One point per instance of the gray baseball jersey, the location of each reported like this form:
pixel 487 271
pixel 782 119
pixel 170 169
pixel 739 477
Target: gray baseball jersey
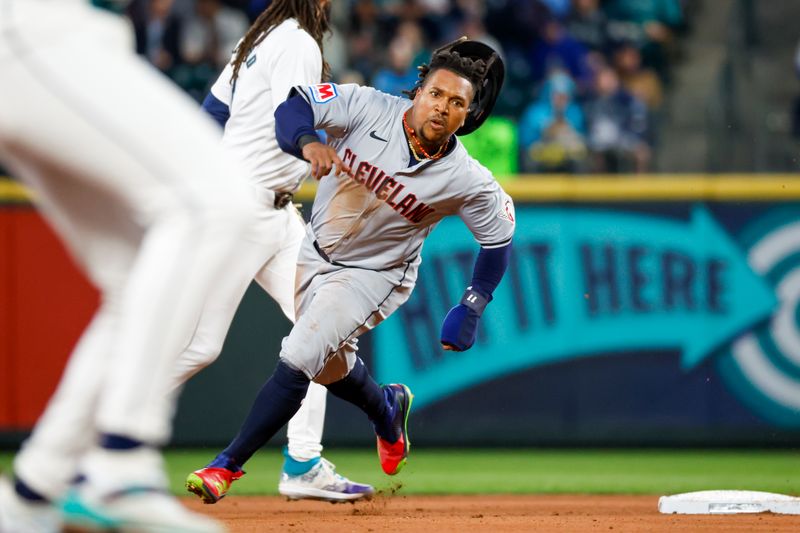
pixel 378 216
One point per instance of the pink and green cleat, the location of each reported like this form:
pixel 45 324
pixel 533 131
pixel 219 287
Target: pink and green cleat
pixel 211 484
pixel 393 455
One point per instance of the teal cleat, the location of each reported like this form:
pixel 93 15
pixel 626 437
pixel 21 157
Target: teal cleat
pixel 139 509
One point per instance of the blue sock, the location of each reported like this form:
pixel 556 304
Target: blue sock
pixel 360 389
pixel 223 461
pixel 276 403
pixel 26 493
pixel 110 441
pixel 384 426
pixel 293 467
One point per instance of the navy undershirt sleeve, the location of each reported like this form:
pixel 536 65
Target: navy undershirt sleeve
pixel 294 118
pixel 217 109
pixel 489 268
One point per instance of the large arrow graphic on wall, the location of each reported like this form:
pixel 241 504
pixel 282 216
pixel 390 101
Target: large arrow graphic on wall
pixel 582 282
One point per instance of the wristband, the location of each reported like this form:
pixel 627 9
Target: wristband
pixel 474 300
pixel 307 139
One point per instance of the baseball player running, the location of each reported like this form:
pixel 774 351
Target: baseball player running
pixel 134 181
pixel 393 170
pixel 282 49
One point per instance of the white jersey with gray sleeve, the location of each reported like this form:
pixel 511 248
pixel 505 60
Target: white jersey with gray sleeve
pixel 287 56
pixel 379 215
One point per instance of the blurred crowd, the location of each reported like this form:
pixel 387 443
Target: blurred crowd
pixel 796 106
pixel 585 79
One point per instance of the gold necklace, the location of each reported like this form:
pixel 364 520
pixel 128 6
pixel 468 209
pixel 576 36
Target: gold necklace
pixel 414 152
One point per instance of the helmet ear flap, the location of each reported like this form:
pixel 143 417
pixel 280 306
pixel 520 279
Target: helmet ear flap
pixel 489 89
pixel 480 94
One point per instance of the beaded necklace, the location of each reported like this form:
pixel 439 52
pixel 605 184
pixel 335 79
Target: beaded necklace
pixel 412 140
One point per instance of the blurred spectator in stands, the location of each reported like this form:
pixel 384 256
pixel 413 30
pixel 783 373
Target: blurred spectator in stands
pixel 157 31
pixel 406 50
pixel 363 15
pixel 648 23
pixel 336 53
pixel 472 26
pixel 559 50
pixel 211 33
pixel 558 8
pixel 588 25
pixel 517 23
pixel 401 73
pixel 641 82
pixel 617 127
pixel 796 109
pixel 470 8
pixel 402 9
pixel 438 20
pixel 366 32
pixel 412 33
pixel 551 131
pixel 350 76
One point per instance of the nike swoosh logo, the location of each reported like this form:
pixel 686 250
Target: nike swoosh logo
pixel 375 136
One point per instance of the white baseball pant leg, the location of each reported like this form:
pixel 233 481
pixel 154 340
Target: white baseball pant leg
pixel 270 241
pixel 129 174
pixel 272 257
pixel 304 430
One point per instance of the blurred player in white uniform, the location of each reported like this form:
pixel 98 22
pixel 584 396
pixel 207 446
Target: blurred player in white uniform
pixel 133 179
pixel 282 49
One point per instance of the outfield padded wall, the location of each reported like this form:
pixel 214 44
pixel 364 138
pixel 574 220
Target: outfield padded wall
pixel 46 303
pixel 619 376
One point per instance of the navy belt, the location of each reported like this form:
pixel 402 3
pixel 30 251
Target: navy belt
pixel 324 256
pixel 327 259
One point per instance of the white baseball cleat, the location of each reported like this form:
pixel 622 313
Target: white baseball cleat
pixel 133 509
pixel 322 482
pixel 18 515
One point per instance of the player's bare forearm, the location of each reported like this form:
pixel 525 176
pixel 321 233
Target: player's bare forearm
pixel 323 158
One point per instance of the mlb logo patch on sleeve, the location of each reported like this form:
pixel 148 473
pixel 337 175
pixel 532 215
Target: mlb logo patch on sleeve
pixel 323 92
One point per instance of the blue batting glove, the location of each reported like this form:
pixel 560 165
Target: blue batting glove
pixel 459 328
pixel 461 323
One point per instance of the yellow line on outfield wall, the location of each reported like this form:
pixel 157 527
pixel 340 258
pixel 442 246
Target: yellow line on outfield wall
pixel 595 188
pixel 657 187
pixel 651 187
pixel 11 191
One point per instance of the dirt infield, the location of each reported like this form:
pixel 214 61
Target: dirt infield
pixel 444 514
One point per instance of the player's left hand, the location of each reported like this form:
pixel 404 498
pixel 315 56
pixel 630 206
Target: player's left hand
pixel 459 328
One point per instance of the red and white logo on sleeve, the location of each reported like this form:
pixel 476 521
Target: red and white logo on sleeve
pixel 323 92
